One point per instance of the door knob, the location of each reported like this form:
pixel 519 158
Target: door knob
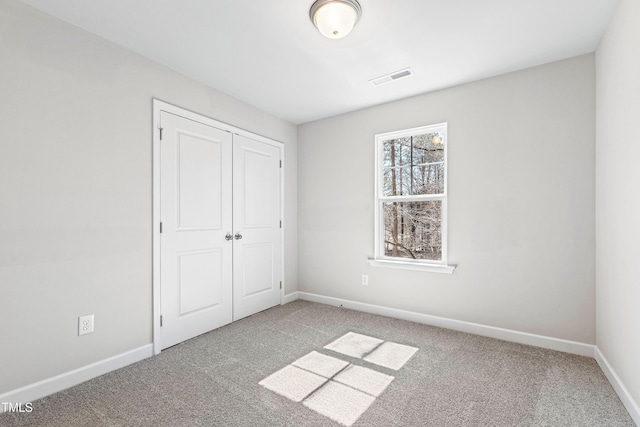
pixel 228 236
pixel 238 236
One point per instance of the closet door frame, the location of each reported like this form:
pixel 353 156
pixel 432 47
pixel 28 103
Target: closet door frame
pixel 159 106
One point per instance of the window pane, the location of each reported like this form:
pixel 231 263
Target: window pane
pixel 428 179
pixel 413 230
pixel 428 163
pixel 396 152
pixel 397 181
pixel 428 148
pixel 414 165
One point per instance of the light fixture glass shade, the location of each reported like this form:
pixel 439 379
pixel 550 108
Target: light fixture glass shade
pixel 335 19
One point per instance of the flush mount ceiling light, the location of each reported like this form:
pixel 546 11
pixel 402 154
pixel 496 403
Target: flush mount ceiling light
pixel 335 18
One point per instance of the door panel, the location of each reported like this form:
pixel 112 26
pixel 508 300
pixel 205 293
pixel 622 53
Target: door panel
pixel 258 278
pixel 257 189
pixel 199 184
pixel 196 213
pixel 256 217
pixel 199 280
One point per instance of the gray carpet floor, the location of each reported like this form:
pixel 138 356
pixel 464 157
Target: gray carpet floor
pixel 454 379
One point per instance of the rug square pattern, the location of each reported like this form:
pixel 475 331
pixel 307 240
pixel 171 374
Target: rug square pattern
pixel 339 402
pixel 320 364
pixel 364 379
pixel 391 355
pixel 293 383
pixel 336 388
pixel 354 345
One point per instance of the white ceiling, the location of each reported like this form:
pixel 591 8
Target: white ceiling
pixel 268 53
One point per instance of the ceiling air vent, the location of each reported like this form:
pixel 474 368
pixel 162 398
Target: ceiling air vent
pixel 391 77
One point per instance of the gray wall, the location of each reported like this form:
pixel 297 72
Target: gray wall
pixel 617 202
pixel 75 197
pixel 75 191
pixel 521 206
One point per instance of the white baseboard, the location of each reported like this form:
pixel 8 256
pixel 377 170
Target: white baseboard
pixel 550 343
pixel 69 379
pixel 289 298
pixel 618 386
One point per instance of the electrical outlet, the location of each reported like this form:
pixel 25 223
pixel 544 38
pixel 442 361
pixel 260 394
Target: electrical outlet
pixel 365 280
pixel 85 324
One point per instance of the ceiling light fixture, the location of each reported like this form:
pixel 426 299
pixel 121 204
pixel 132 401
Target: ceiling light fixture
pixel 335 18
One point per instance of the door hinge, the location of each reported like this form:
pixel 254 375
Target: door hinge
pixel 160 228
pixel 281 285
pixel 280 223
pixel 280 163
pixel 160 134
pixel 160 320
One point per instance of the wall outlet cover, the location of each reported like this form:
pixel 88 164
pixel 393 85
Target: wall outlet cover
pixel 85 324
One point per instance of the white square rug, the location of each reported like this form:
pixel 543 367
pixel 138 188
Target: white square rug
pixel 354 345
pixel 364 379
pixel 335 388
pixel 391 355
pixel 293 383
pixel 320 364
pixel 339 402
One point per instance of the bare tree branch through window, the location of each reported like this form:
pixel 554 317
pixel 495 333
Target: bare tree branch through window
pixel 412 194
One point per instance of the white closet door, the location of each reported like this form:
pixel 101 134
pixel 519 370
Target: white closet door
pixel 196 214
pixel 256 221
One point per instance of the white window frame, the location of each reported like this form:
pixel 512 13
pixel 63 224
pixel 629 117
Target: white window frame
pixel 380 259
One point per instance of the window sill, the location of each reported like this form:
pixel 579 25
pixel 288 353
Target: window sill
pixel 407 265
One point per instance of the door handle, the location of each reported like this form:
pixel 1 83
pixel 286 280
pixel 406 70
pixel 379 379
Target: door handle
pixel 238 236
pixel 228 236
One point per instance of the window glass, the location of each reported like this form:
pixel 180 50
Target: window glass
pixel 414 165
pixel 411 196
pixel 413 230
